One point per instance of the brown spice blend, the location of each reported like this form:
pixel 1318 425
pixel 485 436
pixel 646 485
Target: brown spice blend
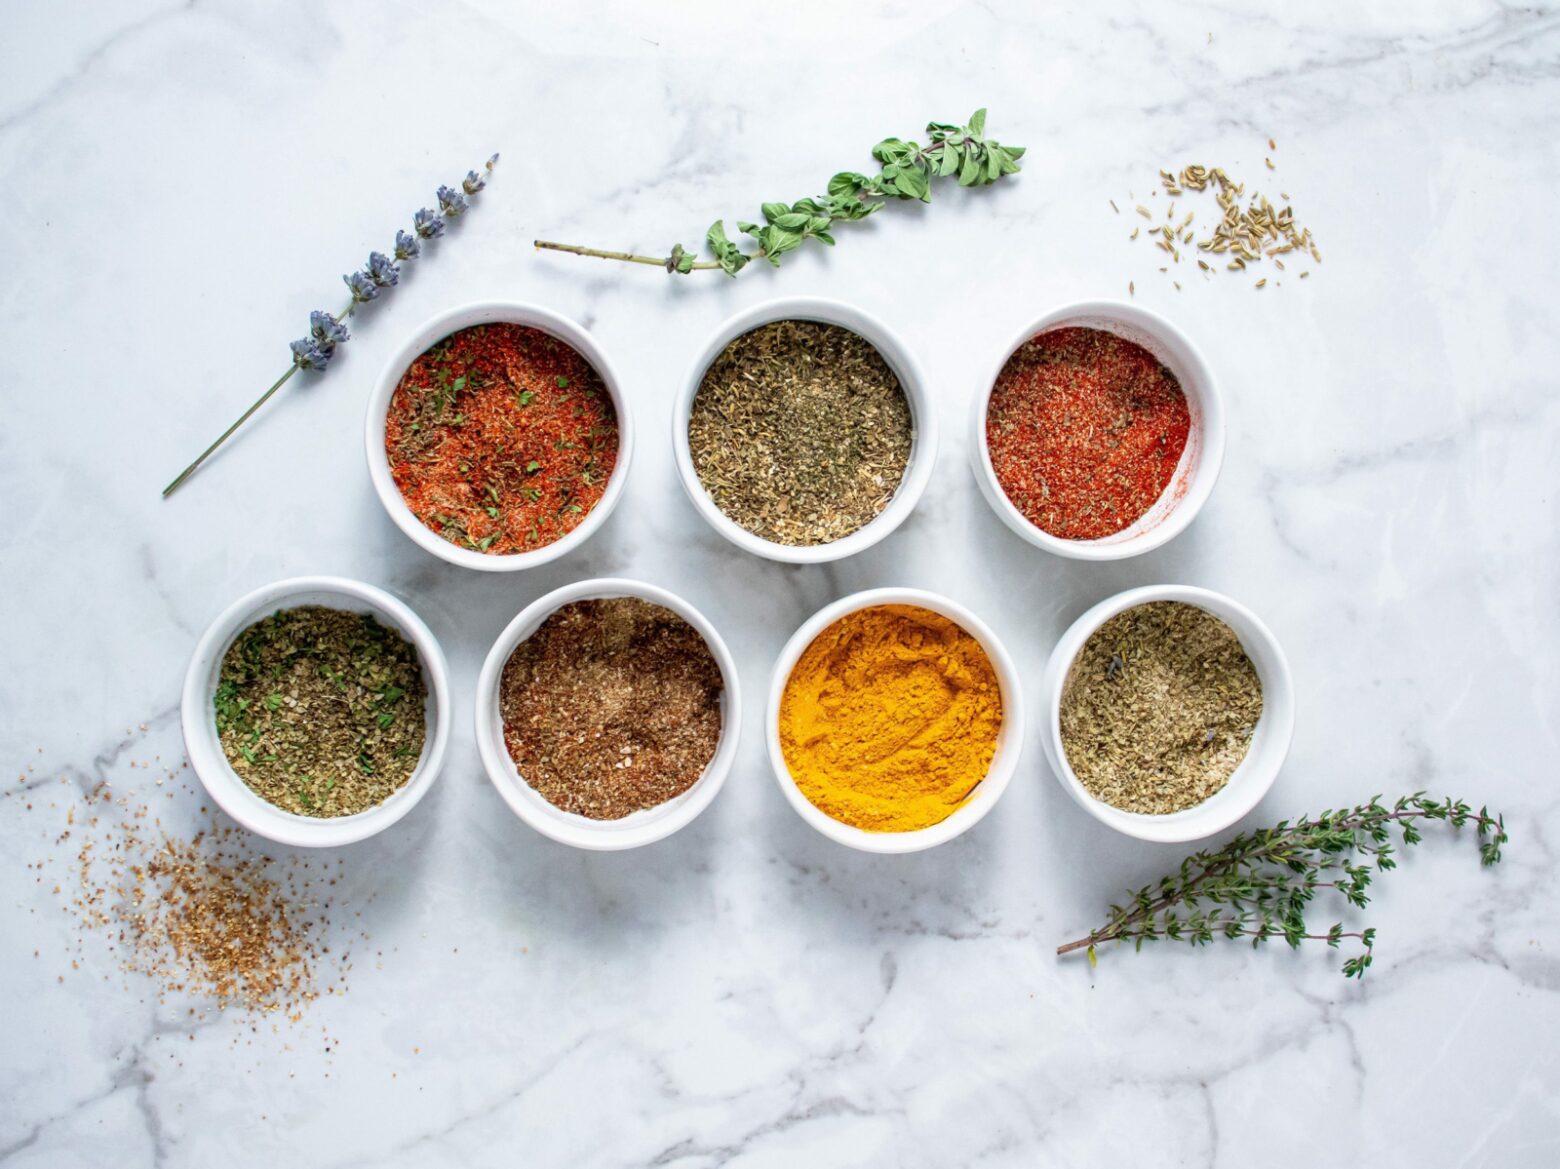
pixel 612 706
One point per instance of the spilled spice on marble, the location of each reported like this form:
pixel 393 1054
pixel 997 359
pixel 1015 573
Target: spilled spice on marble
pixel 204 918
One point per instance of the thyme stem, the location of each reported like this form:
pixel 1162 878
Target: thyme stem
pixel 1260 884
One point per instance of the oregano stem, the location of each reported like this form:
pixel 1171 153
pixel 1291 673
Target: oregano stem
pixel 627 257
pixel 962 153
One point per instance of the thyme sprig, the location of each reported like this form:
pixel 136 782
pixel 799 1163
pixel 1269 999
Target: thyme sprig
pixel 1260 884
pixel 908 171
pixel 326 332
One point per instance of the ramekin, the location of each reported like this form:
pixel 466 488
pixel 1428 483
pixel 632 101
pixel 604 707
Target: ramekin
pixel 923 420
pixel 1010 739
pixel 204 748
pixel 452 321
pixel 638 828
pixel 1195 473
pixel 1269 743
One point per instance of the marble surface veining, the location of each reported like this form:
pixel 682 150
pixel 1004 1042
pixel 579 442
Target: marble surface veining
pixel 183 182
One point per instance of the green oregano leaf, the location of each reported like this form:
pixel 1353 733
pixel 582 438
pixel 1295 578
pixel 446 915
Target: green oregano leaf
pixel 908 171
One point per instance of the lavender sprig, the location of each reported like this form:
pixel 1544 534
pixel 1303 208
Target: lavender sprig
pixel 327 332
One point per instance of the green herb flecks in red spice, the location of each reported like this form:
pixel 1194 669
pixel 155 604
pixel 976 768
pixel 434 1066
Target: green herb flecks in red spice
pixel 1085 429
pixel 501 438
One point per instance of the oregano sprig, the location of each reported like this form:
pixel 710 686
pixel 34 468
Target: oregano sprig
pixel 1260 884
pixel 908 170
pixel 327 332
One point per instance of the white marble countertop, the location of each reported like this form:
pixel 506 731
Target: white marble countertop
pixel 183 184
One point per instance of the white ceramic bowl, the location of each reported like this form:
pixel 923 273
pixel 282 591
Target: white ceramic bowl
pixel 923 419
pixel 1269 743
pixel 204 748
pixel 1196 471
pixel 441 326
pixel 638 828
pixel 1010 740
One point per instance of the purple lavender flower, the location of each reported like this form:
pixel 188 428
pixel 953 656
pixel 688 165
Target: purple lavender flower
pixel 328 332
pixel 451 202
pixel 382 270
pixel 362 286
pixel 427 224
pixel 308 355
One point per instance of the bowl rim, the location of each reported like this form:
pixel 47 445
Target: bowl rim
pixel 1255 775
pixel 1010 739
pixel 912 380
pixel 640 828
pixel 441 325
pixel 1197 382
pixel 204 749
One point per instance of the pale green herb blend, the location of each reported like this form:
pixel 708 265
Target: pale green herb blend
pixel 1159 708
pixel 321 711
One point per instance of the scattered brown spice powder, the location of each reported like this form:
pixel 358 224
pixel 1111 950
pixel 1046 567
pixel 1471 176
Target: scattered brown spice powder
pixel 800 432
pixel 1159 707
pixel 205 917
pixel 612 706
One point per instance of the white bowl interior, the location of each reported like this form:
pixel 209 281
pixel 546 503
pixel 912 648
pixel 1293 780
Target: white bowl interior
pixel 923 421
pixel 211 765
pixel 637 828
pixel 435 330
pixel 1195 471
pixel 1264 757
pixel 1010 739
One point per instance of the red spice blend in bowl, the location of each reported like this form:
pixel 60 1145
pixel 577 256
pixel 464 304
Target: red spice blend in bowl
pixel 501 438
pixel 1085 429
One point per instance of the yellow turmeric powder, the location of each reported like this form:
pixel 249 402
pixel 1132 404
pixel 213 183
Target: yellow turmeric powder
pixel 890 718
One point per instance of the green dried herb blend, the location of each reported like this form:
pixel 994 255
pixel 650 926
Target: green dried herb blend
pixel 1159 708
pixel 321 711
pixel 800 432
pixel 611 707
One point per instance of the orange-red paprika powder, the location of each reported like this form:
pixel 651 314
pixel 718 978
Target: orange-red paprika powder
pixel 1085 429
